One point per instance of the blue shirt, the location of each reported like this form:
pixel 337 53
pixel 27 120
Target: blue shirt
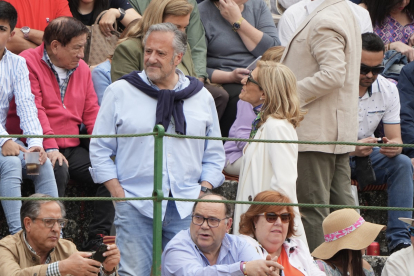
pixel 101 78
pixel 186 162
pixel 14 82
pixel 182 257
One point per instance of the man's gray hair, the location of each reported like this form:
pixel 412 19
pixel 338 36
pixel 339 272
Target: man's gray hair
pixel 180 38
pixel 31 208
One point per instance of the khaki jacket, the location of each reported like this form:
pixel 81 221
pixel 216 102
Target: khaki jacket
pixel 325 56
pixel 17 260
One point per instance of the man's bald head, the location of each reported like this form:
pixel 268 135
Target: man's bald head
pixel 63 29
pixel 228 208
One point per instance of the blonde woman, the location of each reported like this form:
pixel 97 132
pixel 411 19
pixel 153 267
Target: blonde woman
pixel 129 56
pixel 271 90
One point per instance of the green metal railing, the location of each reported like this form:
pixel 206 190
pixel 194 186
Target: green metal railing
pixel 158 195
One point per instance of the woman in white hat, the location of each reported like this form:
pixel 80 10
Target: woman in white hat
pixel 346 234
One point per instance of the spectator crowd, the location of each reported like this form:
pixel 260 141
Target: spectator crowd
pixel 307 70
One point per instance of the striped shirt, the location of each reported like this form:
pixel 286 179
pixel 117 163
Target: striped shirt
pixel 14 82
pixel 63 85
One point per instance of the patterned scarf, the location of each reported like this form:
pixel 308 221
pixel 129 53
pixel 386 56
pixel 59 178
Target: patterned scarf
pixel 256 121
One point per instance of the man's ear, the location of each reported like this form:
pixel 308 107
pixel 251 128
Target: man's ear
pixel 27 224
pixel 54 45
pixel 11 35
pixel 229 224
pixel 178 58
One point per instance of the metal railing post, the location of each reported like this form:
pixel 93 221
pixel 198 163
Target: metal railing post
pixel 159 195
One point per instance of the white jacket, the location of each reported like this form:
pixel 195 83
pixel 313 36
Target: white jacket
pixel 298 253
pixel 269 166
pixel 400 263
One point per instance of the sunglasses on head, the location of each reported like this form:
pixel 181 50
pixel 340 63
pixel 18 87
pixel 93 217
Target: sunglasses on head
pixel 375 70
pixel 272 217
pixel 411 230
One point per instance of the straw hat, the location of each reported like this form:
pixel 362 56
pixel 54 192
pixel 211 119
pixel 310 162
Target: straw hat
pixel 345 229
pixel 407 220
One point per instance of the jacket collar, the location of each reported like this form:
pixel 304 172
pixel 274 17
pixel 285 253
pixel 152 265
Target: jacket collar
pixel 322 6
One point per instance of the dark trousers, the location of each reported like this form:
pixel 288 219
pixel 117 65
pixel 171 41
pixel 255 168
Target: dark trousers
pixel 229 115
pixel 79 163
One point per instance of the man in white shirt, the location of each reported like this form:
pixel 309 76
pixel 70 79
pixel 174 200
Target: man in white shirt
pixel 401 262
pixel 379 100
pixel 293 17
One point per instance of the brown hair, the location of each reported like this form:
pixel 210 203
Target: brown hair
pixel 63 29
pixel 248 219
pixel 274 53
pixel 279 85
pixel 155 13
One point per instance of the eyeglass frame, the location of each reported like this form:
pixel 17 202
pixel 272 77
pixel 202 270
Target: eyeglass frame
pixel 370 68
pixel 65 221
pixel 277 216
pixel 204 219
pixel 252 80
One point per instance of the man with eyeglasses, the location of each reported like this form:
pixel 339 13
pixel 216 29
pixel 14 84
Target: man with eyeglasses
pixel 37 250
pixel 401 262
pixel 379 100
pixel 207 249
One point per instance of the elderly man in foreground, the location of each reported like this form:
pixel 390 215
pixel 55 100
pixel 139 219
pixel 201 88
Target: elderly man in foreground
pixel 207 249
pixel 37 249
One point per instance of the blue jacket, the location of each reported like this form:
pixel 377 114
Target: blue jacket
pixel 406 89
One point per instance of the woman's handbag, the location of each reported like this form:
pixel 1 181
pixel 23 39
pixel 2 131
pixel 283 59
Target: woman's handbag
pixel 99 46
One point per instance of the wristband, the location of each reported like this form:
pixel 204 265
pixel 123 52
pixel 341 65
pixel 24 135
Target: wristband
pixel 244 268
pixel 108 272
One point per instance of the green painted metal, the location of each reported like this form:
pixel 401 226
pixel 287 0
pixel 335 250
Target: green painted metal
pixel 158 197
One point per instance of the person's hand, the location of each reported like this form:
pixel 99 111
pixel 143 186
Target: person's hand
pixel 113 256
pixel 269 258
pixel 390 151
pixel 238 74
pixel 362 151
pixel 42 153
pixel 230 11
pixel 11 148
pixel 411 41
pixel 106 24
pixel 56 155
pixel 404 49
pixel 201 79
pixel 78 264
pixel 263 268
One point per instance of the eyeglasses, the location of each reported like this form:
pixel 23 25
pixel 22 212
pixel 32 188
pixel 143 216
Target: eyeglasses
pixel 374 70
pixel 272 217
pixel 250 79
pixel 50 222
pixel 212 222
pixel 411 230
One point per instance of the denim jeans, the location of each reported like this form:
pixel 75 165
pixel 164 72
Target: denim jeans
pixel 397 172
pixel 134 236
pixel 12 168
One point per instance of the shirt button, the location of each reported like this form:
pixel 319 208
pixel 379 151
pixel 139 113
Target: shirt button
pixel 33 259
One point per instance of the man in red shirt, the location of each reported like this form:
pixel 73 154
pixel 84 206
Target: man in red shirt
pixel 65 98
pixel 34 16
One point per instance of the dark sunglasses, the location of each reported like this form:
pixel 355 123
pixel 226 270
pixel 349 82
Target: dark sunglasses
pixel 411 230
pixel 374 70
pixel 272 217
pixel 251 79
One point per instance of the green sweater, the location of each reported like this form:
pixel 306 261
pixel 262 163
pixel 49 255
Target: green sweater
pixel 195 33
pixel 129 56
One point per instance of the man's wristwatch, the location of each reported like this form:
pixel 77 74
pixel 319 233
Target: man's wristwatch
pixel 25 30
pixel 205 189
pixel 237 24
pixel 122 12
